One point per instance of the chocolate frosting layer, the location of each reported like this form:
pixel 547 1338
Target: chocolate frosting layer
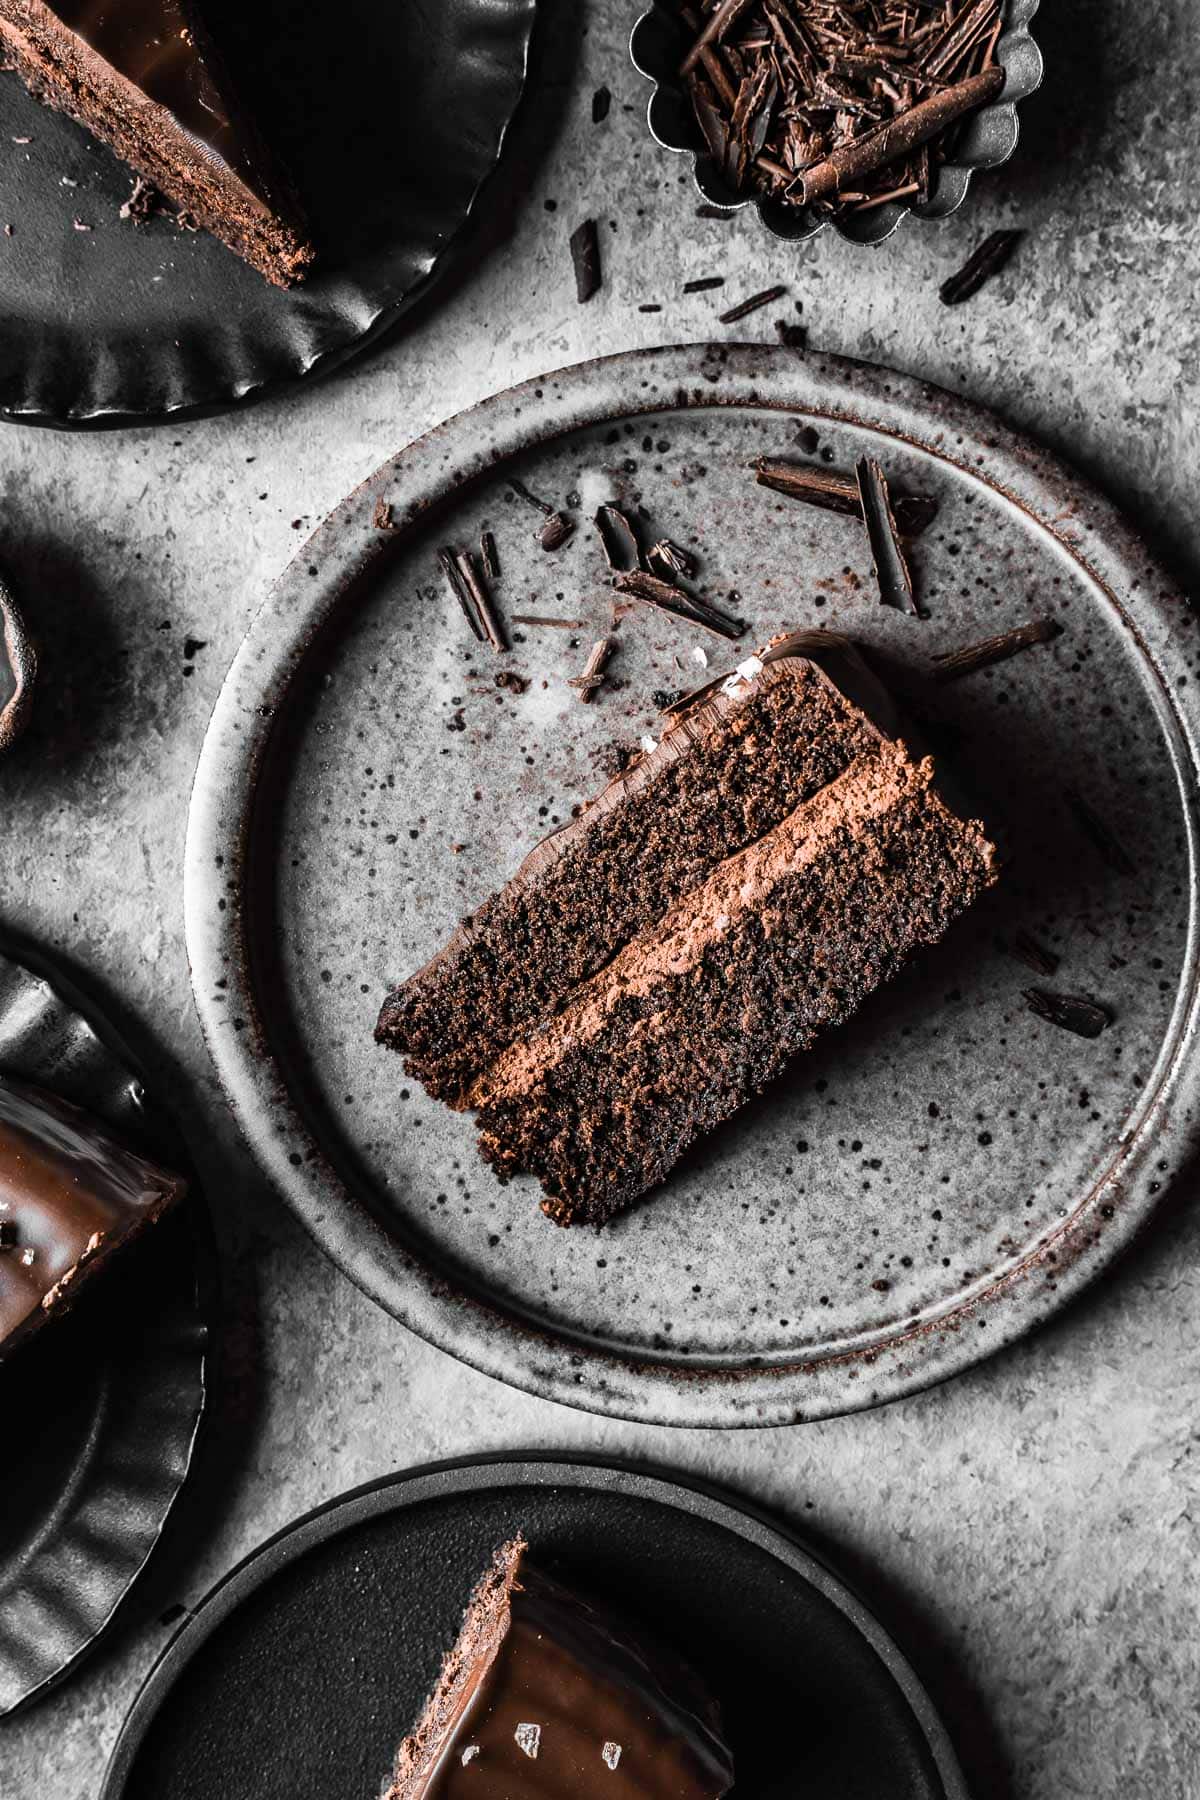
pixel 563 1699
pixel 70 1195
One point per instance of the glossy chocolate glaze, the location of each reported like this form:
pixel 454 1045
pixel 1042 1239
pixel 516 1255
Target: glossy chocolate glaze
pixel 156 45
pixel 70 1195
pixel 569 1701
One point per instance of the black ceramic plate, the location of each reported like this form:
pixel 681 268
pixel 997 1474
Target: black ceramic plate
pixel 101 1412
pixel 335 1630
pixel 390 117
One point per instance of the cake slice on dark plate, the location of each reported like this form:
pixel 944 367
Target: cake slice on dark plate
pixel 776 858
pixel 547 1694
pixel 146 77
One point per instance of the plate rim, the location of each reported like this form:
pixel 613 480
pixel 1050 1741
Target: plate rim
pixel 454 1476
pixel 237 396
pixel 220 866
pixel 74 1000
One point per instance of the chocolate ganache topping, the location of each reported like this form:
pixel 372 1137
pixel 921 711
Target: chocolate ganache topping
pixel 70 1195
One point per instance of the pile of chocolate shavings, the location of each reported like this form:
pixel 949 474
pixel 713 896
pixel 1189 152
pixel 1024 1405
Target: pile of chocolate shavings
pixel 838 105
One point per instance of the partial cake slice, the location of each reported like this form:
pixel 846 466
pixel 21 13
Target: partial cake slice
pixel 146 77
pixel 705 1006
pixel 71 1197
pixel 728 769
pixel 546 1694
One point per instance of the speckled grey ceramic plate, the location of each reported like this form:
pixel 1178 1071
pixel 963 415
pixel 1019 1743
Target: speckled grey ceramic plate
pixel 847 1715
pixel 101 1413
pixel 988 138
pixel 940 1175
pixel 391 118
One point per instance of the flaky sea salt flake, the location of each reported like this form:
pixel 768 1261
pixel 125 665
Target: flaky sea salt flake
pixel 529 1737
pixel 611 1754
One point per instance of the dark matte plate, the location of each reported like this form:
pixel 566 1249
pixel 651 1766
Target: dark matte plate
pixel 102 1410
pixel 390 117
pixel 299 1675
pixel 936 1177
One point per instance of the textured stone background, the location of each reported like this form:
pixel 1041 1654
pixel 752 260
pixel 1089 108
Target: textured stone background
pixel 1028 1530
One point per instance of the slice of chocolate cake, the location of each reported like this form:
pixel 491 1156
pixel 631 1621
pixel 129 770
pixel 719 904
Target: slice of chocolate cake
pixel 702 1008
pixel 729 767
pixel 546 1694
pixel 71 1197
pixel 146 77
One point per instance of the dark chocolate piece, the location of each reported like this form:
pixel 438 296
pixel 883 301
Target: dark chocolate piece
pixel 1071 1012
pixel 950 664
pixel 791 335
pixel 458 587
pixel 639 584
pixel 480 600
pixel 618 538
pixel 992 255
pixel 71 1197
pixel 146 77
pixel 767 297
pixel 555 532
pixel 668 560
pixel 546 1693
pixel 18 671
pixel 883 533
pixel 601 101
pixel 585 256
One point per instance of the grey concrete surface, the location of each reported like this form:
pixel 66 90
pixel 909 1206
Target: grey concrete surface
pixel 1029 1529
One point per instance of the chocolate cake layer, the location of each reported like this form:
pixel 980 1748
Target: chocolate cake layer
pixel 729 767
pixel 545 1695
pixel 146 77
pixel 71 1196
pixel 695 1015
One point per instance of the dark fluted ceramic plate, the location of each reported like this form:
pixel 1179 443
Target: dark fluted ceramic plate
pixel 100 1413
pixel 391 117
pixel 335 1630
pixel 931 1180
pixel 988 138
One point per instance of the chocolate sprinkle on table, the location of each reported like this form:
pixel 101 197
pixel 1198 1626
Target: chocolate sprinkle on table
pixel 953 663
pixel 585 255
pixel 541 619
pixel 1068 1011
pixel 991 256
pixel 703 283
pixel 639 584
pixel 767 297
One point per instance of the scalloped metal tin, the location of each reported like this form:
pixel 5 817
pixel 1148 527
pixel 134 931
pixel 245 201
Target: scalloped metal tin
pixel 18 671
pixel 109 323
pixel 80 1521
pixel 784 1276
pixel 657 44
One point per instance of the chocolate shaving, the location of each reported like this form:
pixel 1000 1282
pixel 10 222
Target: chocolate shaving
pixel 837 492
pixel 667 560
pixel 767 297
pixel 1027 950
pixel 519 488
pixel 953 663
pixel 464 562
pixel 555 532
pixel 541 619
pixel 851 163
pixel 1071 1012
pixel 1103 837
pixel 460 590
pixel 618 538
pixel 726 14
pixel 381 518
pixel 991 256
pixel 883 534
pixel 592 677
pixel 585 255
pixel 653 591
pixel 489 556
